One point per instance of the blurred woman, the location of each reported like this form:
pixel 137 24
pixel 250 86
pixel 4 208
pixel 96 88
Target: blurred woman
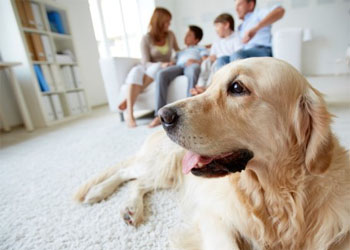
pixel 156 50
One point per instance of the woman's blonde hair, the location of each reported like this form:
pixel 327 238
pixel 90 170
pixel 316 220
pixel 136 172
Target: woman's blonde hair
pixel 156 25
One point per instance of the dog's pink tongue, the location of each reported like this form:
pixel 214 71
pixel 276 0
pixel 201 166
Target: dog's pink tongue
pixel 191 159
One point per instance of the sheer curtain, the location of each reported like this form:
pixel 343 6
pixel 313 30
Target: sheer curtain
pixel 119 25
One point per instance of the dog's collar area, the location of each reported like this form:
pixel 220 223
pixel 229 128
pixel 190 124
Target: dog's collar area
pixel 233 163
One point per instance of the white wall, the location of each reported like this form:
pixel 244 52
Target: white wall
pixel 330 27
pixel 86 49
pixel 170 5
pixel 329 21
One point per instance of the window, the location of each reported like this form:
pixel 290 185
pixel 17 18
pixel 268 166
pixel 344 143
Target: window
pixel 119 25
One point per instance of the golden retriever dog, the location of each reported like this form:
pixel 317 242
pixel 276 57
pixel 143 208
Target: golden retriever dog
pixel 256 162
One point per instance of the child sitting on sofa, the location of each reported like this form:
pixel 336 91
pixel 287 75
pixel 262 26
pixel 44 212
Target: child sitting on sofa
pixel 227 43
pixel 187 63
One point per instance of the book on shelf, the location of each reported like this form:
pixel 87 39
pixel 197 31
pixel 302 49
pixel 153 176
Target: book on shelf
pixel 29 14
pixel 48 76
pixel 62 58
pixel 49 108
pixel 22 13
pixel 74 104
pixel 47 48
pixel 44 87
pixel 77 102
pixel 82 101
pixel 55 21
pixel 57 106
pixel 37 16
pixel 76 75
pixel 38 47
pixel 68 77
pixel 30 46
pixel 57 77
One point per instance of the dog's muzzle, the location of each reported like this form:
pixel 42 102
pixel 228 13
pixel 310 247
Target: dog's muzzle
pixel 168 117
pixel 235 162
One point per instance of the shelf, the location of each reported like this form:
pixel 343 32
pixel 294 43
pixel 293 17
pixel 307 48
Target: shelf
pixel 61 36
pixel 42 62
pixel 31 30
pixel 68 64
pixel 58 63
pixel 38 40
pixel 52 92
pixel 67 118
pixel 74 90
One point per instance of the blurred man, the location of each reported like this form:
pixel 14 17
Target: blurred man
pixel 255 31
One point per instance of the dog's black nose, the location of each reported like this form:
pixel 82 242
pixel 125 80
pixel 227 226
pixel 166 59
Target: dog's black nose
pixel 168 116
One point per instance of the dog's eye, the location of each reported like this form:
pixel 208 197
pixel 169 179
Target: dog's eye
pixel 236 88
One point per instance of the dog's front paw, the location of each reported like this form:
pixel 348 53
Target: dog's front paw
pixel 132 215
pixel 96 194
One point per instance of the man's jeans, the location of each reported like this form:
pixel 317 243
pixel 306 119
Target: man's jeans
pixel 258 51
pixel 221 61
pixel 165 76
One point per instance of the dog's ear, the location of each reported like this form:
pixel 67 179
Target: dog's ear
pixel 312 128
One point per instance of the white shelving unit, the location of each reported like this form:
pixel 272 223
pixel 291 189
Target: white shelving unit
pixel 42 106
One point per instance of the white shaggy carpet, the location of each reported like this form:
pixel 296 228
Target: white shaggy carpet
pixel 40 171
pixel 39 175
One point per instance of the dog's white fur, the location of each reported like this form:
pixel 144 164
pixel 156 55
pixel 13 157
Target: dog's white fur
pixel 294 193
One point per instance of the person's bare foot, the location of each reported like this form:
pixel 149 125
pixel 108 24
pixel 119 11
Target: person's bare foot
pixel 131 123
pixel 122 106
pixel 156 122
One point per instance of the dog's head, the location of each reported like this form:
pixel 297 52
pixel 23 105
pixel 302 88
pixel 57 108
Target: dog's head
pixel 257 107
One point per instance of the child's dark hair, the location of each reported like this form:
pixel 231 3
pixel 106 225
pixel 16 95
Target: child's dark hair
pixel 225 18
pixel 198 32
pixel 254 1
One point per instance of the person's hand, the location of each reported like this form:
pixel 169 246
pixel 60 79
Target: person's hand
pixel 164 65
pixel 249 34
pixel 193 92
pixel 197 90
pixel 200 89
pixel 212 58
pixel 191 61
pixel 167 64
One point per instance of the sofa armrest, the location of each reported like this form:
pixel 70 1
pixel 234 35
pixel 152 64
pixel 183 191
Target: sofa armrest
pixel 114 71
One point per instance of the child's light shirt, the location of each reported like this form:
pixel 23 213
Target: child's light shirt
pixel 226 46
pixel 191 52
